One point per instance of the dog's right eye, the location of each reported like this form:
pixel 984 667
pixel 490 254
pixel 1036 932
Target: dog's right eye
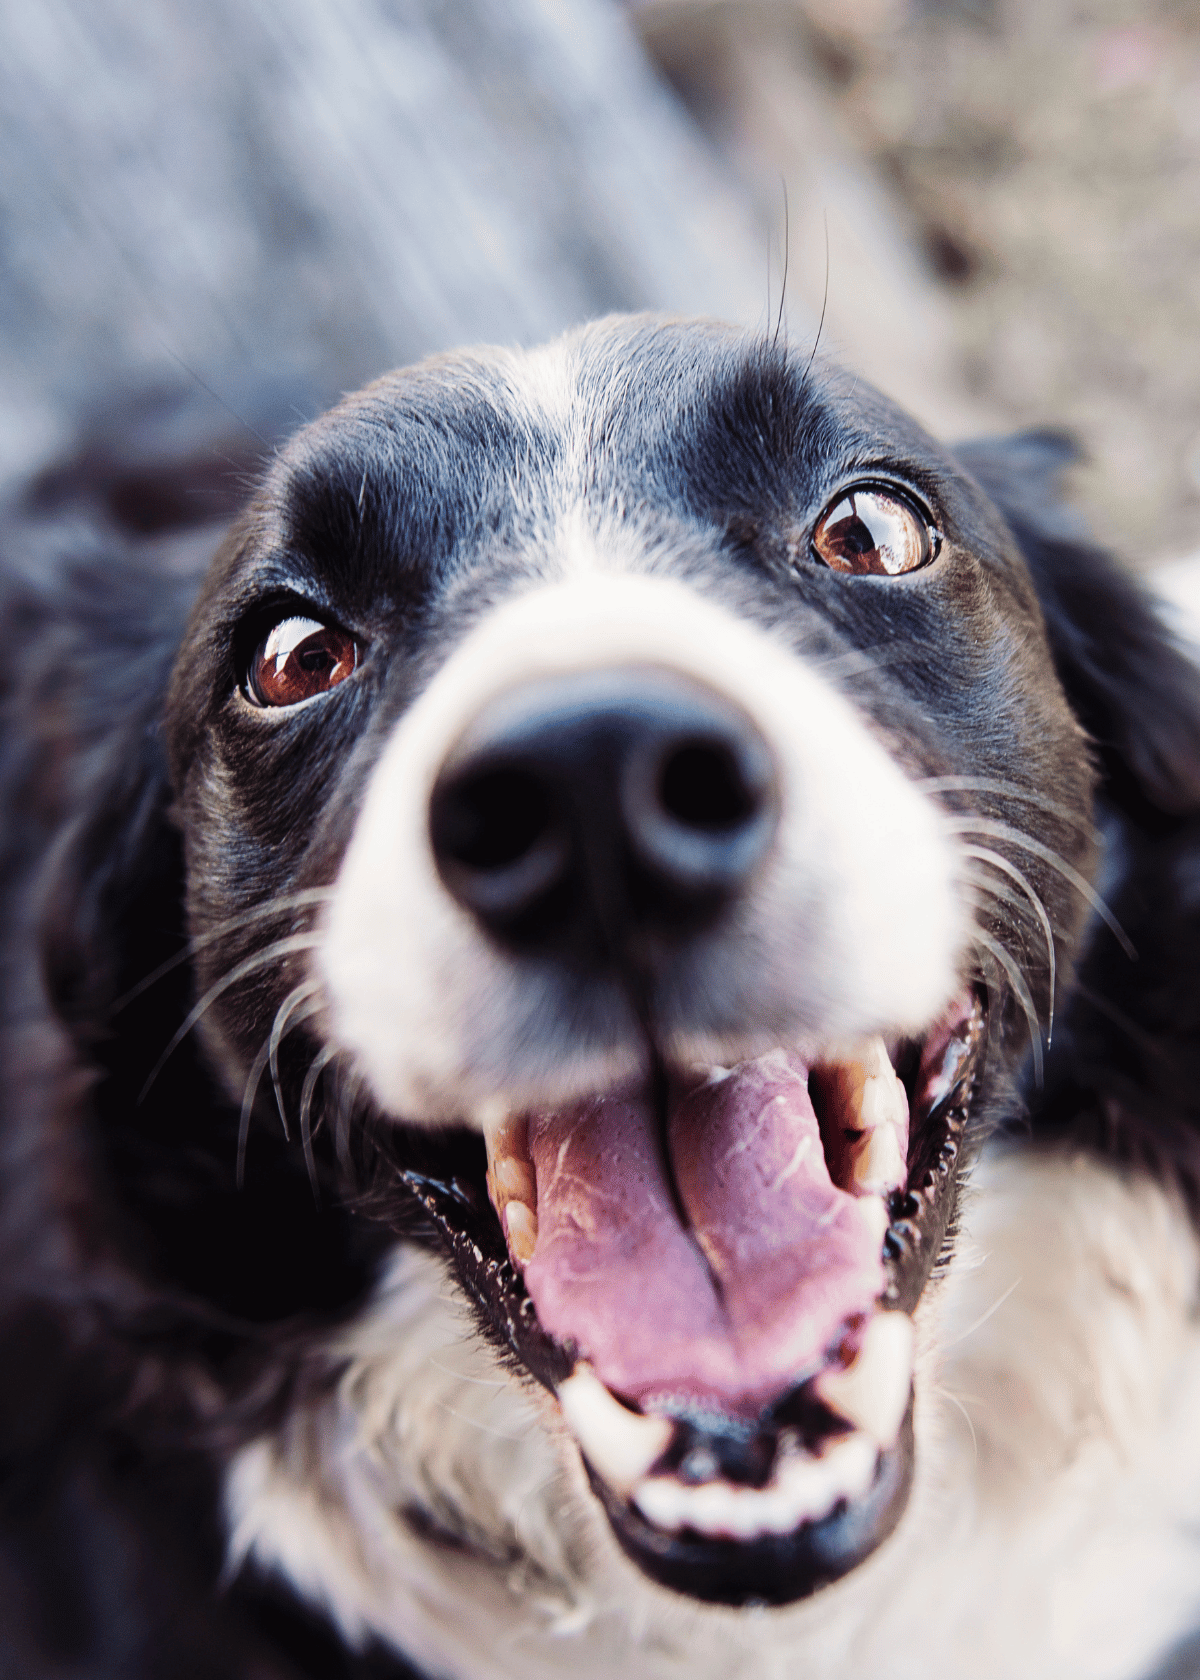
pixel 298 660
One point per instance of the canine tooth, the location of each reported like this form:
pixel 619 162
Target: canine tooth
pixel 490 1113
pixel 882 1102
pixel 510 1175
pixel 521 1230
pixel 873 1210
pixel 507 1135
pixel 621 1445
pixel 513 1181
pixel 876 1164
pixel 872 1392
pixel 864 1096
pixel 874 1060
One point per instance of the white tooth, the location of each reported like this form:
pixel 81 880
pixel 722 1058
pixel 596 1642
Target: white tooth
pixel 872 1393
pixel 490 1113
pixel 883 1102
pixel 874 1060
pixel 521 1229
pixel 876 1164
pixel 620 1444
pixel 874 1214
pixel 865 1096
pixel 803 1489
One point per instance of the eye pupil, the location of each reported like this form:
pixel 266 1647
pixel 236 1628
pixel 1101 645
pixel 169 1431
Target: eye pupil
pixel 853 536
pixel 299 659
pixel 869 530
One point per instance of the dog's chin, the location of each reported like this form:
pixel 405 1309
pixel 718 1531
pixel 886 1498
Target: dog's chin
pixel 769 1568
pixel 727 1329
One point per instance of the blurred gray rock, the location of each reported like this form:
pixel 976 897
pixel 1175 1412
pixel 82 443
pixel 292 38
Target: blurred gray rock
pixel 258 205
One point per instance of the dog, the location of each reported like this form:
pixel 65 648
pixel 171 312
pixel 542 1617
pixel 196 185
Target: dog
pixel 602 1037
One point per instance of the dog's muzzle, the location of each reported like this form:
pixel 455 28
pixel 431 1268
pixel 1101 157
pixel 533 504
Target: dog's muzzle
pixel 637 894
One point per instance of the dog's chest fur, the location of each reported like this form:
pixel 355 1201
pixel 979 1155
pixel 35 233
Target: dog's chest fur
pixel 1051 1534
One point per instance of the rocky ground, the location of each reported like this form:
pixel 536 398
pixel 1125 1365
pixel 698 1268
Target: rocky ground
pixel 1011 190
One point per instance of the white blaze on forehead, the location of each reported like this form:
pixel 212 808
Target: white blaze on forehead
pixel 853 925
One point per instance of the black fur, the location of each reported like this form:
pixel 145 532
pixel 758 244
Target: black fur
pixel 155 1315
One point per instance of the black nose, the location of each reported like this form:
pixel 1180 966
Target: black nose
pixel 595 814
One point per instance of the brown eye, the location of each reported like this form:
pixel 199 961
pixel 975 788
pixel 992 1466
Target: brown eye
pixel 299 659
pixel 870 530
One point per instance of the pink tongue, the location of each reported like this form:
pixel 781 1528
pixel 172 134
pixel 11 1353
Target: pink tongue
pixel 615 1272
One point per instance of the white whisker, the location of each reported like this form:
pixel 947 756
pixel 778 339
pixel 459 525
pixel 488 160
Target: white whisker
pixel 347 1098
pixel 984 855
pixel 1017 980
pixel 280 948
pixel 287 1009
pixel 316 1068
pixel 1007 790
pixel 983 1317
pixel 955 1401
pixel 261 912
pixel 253 1079
pixel 1005 831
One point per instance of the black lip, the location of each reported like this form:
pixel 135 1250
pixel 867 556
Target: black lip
pixel 444 1202
pixel 775 1569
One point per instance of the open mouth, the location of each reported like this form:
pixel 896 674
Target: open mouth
pixel 714 1273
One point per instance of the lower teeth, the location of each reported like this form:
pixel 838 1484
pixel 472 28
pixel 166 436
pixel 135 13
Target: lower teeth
pixel 803 1488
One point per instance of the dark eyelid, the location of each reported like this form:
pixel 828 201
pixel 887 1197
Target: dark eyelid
pixel 877 478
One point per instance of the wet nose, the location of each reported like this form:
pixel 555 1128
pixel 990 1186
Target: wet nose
pixel 590 813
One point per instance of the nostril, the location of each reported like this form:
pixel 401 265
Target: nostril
pixel 703 786
pixel 499 842
pixel 700 811
pixel 490 820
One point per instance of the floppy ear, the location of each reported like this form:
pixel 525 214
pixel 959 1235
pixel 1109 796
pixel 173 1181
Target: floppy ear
pixel 1123 1074
pixel 1133 688
pixel 87 779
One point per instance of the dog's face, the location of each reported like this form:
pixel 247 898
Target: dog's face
pixel 627 783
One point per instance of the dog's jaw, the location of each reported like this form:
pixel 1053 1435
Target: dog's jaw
pixel 710 1536
pixel 855 925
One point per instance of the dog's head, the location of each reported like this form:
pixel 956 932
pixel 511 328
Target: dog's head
pixel 631 815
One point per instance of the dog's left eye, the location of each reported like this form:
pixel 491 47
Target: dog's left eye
pixel 871 529
pixel 299 659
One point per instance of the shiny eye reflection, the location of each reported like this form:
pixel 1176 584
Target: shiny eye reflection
pixel 299 659
pixel 870 530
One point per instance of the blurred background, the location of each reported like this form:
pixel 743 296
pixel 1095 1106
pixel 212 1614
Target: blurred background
pixel 216 215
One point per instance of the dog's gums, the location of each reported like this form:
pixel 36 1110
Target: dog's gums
pixel 728 1297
